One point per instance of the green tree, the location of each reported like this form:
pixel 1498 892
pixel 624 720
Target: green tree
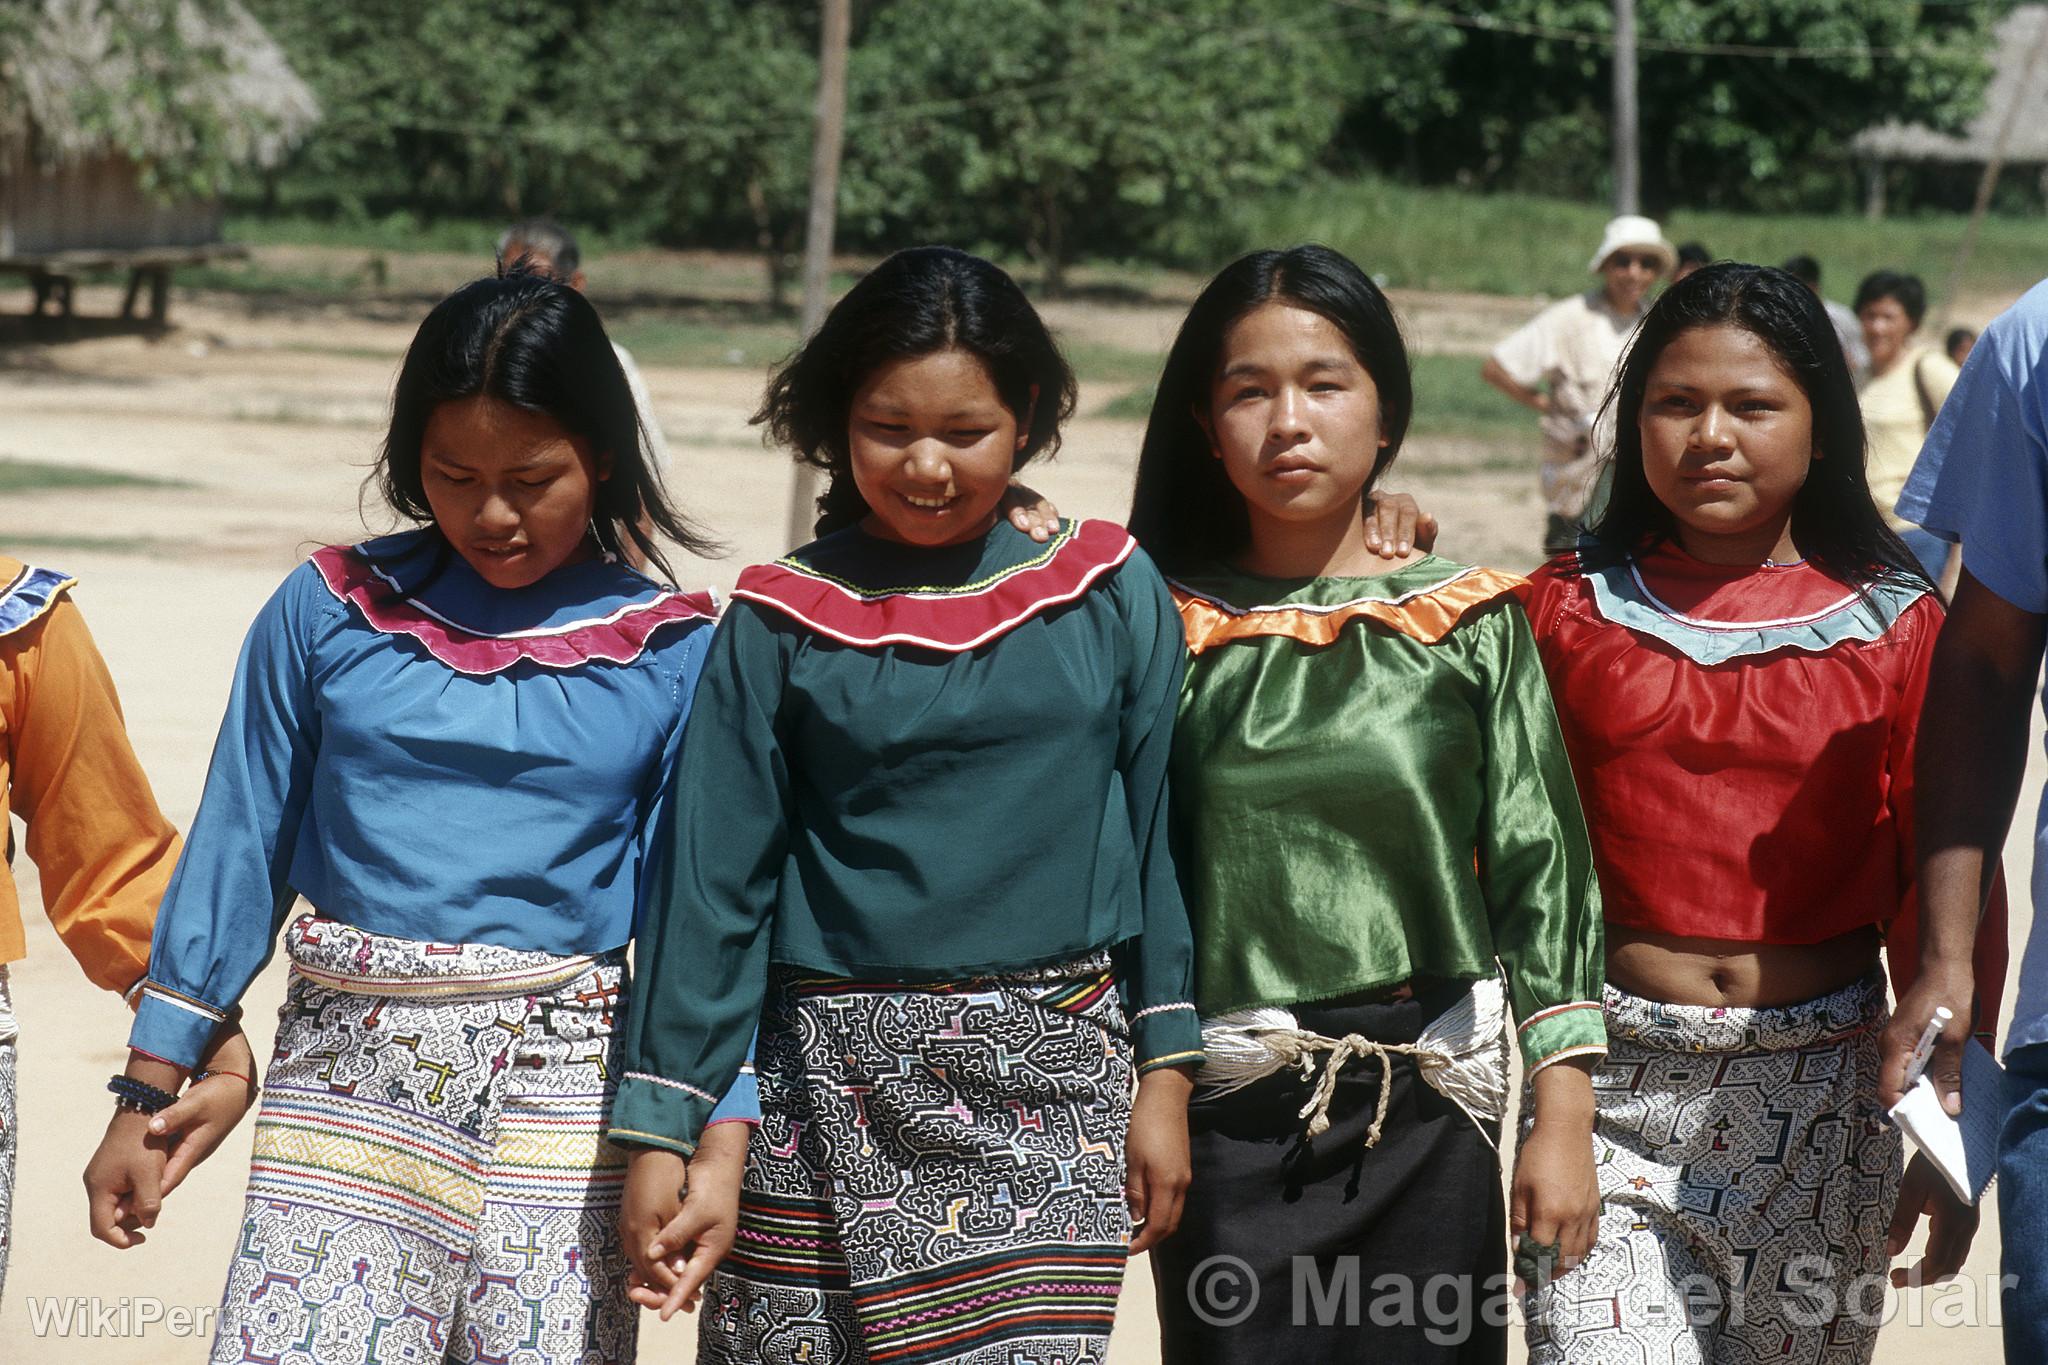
pixel 1062 126
pixel 1528 102
pixel 695 129
pixel 433 106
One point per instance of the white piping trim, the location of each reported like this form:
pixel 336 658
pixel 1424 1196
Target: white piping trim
pixel 672 1085
pixel 1698 623
pixel 1159 1009
pixel 948 646
pixel 185 1005
pixel 536 633
pixel 1308 610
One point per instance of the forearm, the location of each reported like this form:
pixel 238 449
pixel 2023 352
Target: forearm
pixel 1534 399
pixel 1971 759
pixel 1563 1093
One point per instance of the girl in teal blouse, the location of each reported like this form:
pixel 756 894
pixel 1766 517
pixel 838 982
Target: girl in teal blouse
pixel 920 834
pixel 1377 822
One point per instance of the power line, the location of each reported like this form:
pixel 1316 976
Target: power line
pixel 1430 14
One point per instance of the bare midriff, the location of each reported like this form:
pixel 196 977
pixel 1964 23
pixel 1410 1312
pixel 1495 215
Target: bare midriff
pixel 1707 971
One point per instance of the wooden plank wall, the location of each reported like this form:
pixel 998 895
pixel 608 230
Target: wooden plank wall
pixel 91 205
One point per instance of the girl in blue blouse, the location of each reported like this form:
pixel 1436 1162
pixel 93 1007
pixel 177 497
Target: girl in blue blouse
pixel 451 742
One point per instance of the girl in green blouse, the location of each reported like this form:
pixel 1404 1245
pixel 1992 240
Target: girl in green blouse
pixel 1376 821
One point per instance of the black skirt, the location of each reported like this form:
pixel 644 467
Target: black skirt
pixel 1300 1251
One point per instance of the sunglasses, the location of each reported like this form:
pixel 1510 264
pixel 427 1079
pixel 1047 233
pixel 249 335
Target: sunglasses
pixel 1625 259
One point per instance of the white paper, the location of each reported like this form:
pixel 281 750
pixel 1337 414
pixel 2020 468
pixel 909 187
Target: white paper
pixel 1964 1150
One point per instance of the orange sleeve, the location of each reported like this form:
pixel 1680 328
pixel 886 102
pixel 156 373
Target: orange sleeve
pixel 104 850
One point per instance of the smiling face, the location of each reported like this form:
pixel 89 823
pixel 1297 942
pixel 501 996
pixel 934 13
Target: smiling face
pixel 511 490
pixel 1294 417
pixel 932 448
pixel 1628 275
pixel 1886 326
pixel 1727 437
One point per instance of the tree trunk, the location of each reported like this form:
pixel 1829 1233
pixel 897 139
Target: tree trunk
pixel 769 243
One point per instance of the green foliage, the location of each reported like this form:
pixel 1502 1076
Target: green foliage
pixel 1414 237
pixel 429 106
pixel 1063 125
pixel 1527 112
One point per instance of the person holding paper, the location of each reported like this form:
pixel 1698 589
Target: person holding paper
pixel 1982 479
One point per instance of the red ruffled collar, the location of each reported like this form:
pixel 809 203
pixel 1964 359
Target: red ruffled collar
pixel 952 620
pixel 618 637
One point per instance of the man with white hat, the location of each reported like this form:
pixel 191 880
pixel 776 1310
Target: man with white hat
pixel 1561 362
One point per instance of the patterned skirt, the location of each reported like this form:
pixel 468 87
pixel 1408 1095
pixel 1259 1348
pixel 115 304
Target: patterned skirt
pixel 1747 1177
pixel 430 1178
pixel 938 1175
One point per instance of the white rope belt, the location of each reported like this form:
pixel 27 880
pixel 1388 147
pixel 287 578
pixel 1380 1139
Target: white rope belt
pixel 1462 1054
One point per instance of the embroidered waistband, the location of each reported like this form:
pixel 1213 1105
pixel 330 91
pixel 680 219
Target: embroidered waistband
pixel 1841 1014
pixel 344 957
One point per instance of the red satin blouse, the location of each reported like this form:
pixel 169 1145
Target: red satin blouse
pixel 1743 740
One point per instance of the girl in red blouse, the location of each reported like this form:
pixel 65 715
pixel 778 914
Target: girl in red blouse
pixel 1738 652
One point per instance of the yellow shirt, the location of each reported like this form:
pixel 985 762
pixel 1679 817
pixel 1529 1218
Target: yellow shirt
pixel 103 848
pixel 1895 420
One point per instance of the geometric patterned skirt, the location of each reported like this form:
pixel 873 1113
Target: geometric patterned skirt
pixel 938 1175
pixel 1747 1179
pixel 430 1178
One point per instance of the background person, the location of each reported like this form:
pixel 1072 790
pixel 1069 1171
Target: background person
pixel 1958 344
pixel 547 247
pixel 1561 362
pixel 1907 383
pixel 1848 329
pixel 1691 256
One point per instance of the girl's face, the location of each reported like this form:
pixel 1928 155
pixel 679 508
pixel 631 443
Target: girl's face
pixel 1293 416
pixel 1886 325
pixel 1727 441
pixel 932 448
pixel 511 490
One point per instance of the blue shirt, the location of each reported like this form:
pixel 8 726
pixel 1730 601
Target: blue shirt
pixel 423 755
pixel 1982 478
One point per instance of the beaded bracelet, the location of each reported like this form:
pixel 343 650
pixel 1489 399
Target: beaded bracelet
pixel 139 1097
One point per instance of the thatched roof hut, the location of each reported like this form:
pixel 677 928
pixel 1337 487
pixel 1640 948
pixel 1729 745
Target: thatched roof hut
pixel 2017 98
pixel 79 154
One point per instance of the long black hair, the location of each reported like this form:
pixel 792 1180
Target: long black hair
pixel 918 302
pixel 536 345
pixel 1835 523
pixel 1185 511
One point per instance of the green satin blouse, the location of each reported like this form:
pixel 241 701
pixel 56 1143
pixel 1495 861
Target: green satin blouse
pixel 1370 785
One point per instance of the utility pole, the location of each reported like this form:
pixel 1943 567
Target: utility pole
pixel 1994 165
pixel 1627 158
pixel 830 137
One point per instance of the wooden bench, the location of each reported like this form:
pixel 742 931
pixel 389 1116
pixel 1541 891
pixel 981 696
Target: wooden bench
pixel 51 274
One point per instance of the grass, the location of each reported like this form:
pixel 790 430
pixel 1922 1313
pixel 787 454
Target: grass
pixel 1446 239
pixel 1450 400
pixel 35 476
pixel 700 343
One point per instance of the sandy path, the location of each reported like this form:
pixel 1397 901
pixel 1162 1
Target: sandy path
pixel 272 433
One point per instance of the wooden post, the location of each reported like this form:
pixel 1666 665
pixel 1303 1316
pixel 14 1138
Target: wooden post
pixel 837 16
pixel 1988 182
pixel 1627 157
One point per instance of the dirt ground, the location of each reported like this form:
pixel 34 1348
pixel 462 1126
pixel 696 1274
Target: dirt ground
pixel 266 418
